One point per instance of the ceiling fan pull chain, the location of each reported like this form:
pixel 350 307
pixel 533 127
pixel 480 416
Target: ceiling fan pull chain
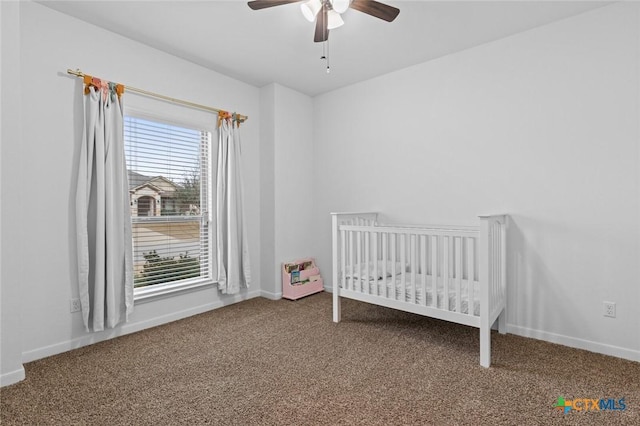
pixel 328 65
pixel 325 54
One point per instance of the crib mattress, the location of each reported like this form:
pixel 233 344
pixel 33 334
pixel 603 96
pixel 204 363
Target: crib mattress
pixel 391 284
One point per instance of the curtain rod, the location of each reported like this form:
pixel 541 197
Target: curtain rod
pixel 241 118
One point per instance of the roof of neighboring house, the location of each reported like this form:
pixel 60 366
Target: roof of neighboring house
pixel 137 180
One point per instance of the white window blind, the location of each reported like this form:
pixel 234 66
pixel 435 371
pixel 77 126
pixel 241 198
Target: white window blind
pixel 169 175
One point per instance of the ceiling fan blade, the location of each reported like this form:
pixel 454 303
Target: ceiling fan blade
pixel 322 32
pixel 377 9
pixel 263 4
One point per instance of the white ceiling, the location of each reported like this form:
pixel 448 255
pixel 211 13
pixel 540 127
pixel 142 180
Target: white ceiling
pixel 276 44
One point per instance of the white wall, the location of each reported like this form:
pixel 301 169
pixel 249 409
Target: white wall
pixel 270 284
pixel 287 180
pixel 294 164
pixel 11 369
pixel 544 126
pixel 40 242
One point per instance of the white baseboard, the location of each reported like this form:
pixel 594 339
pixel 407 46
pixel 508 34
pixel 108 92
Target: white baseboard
pixel 129 328
pixel 271 296
pixel 12 377
pixel 573 342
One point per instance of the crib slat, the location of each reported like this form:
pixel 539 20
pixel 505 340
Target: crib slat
pixel 403 268
pixel 351 271
pixel 471 275
pixel 458 263
pixel 434 271
pixel 385 237
pixel 423 267
pixel 496 254
pixel 367 275
pixel 359 259
pixel 494 268
pixel 499 263
pixel 490 264
pixel 375 263
pixel 498 268
pixel 393 266
pixel 503 268
pixel 445 273
pixel 343 255
pixel 412 239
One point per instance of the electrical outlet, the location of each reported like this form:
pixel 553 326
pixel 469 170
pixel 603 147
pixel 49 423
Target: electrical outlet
pixel 609 309
pixel 74 305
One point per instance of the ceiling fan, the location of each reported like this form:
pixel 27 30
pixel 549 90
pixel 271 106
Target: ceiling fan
pixel 328 12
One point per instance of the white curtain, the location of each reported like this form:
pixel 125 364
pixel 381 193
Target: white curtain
pixel 232 248
pixel 105 262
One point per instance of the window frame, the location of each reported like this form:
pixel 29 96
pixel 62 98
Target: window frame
pixel 150 292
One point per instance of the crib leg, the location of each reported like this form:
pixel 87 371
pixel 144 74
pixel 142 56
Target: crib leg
pixel 502 322
pixel 485 346
pixel 336 305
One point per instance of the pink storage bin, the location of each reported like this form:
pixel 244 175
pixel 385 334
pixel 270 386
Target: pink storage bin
pixel 297 291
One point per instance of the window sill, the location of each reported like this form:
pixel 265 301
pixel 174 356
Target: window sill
pixel 147 294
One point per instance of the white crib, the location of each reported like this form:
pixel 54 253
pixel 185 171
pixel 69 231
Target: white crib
pixel 453 273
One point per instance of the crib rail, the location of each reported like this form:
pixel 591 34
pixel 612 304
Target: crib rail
pixel 432 267
pixel 457 269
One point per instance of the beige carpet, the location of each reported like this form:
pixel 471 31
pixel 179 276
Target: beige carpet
pixel 283 362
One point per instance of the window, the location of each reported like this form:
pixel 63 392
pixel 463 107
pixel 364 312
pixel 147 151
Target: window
pixel 169 180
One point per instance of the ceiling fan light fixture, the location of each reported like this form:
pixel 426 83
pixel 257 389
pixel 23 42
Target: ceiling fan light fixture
pixel 310 9
pixel 334 20
pixel 340 6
